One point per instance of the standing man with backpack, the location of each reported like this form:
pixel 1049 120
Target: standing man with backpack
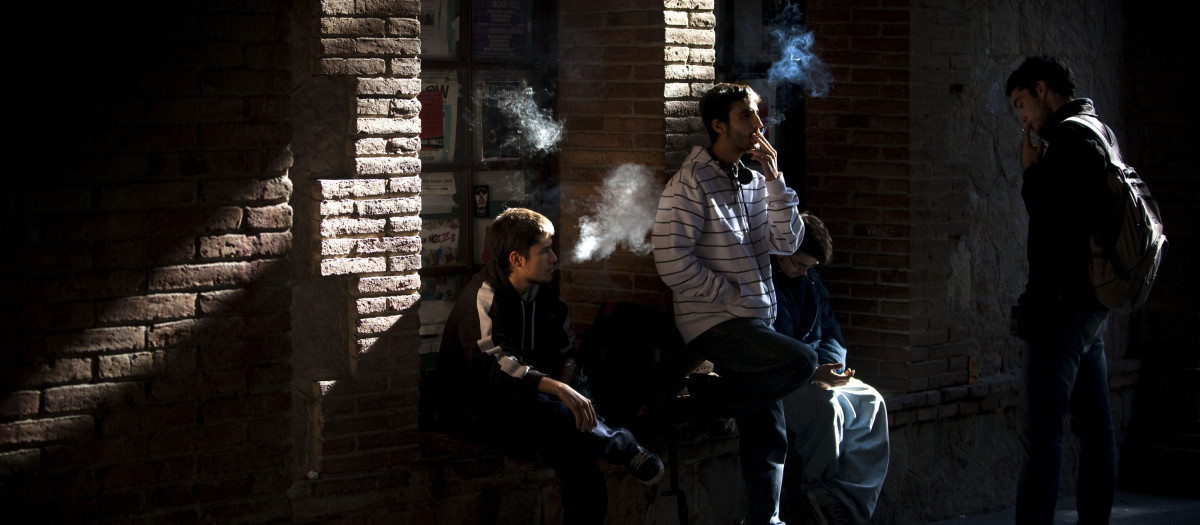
pixel 1058 316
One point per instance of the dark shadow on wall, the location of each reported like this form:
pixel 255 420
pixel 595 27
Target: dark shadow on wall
pixel 146 289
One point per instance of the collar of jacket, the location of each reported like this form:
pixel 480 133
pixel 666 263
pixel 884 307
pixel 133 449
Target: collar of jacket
pixel 1074 107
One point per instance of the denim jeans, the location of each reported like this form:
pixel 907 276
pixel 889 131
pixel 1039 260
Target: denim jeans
pixel 758 366
pixel 1066 373
pixel 544 423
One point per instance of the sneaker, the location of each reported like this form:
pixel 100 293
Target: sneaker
pixel 646 467
pixel 828 511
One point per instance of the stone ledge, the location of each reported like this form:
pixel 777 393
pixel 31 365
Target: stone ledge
pixel 991 394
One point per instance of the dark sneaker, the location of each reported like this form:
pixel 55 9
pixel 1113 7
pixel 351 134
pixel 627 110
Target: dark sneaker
pixel 828 510
pixel 646 467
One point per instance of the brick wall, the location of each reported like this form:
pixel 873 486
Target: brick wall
pixel 1167 329
pixel 145 297
pixel 912 164
pixel 611 100
pixel 209 293
pixel 630 74
pixel 860 182
pixel 357 387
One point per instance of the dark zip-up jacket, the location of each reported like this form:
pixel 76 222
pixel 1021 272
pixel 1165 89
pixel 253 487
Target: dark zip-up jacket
pixel 1067 197
pixel 496 340
pixel 806 315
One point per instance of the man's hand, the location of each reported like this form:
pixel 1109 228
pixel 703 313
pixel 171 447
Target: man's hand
pixel 1031 153
pixel 827 377
pixel 585 415
pixel 764 154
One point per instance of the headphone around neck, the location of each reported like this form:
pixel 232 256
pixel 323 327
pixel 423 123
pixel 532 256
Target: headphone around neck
pixel 744 175
pixel 736 171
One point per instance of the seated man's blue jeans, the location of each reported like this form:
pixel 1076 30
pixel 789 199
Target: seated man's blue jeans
pixel 758 366
pixel 1066 373
pixel 544 423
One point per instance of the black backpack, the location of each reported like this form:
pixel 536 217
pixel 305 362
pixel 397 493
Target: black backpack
pixel 1129 246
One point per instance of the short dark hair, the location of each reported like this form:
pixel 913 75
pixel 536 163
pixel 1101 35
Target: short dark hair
pixel 714 105
pixel 1052 71
pixel 515 230
pixel 817 242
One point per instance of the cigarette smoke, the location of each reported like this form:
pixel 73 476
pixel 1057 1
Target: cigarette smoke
pixel 622 216
pixel 537 125
pixel 797 63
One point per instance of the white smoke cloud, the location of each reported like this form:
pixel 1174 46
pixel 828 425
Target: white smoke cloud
pixel 622 216
pixel 797 62
pixel 536 125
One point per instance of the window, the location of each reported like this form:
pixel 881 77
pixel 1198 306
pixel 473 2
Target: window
pixel 748 44
pixel 488 69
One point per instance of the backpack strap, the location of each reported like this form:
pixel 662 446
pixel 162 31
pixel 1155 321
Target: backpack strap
pixel 1105 134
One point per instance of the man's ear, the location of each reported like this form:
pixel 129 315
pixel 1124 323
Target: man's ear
pixel 1041 90
pixel 719 126
pixel 515 260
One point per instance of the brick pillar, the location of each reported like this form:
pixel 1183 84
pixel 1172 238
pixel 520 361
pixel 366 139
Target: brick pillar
pixel 689 72
pixel 362 418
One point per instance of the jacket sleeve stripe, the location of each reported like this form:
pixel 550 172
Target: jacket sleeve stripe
pixel 508 364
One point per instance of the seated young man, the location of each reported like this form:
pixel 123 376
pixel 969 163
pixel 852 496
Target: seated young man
pixel 837 423
pixel 505 369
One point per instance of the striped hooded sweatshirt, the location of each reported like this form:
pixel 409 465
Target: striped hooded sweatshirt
pixel 494 338
pixel 712 236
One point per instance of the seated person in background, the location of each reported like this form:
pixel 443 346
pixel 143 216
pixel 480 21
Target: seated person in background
pixel 837 424
pixel 505 369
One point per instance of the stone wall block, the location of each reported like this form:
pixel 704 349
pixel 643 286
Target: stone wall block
pixel 338 207
pixel 351 66
pixel 388 207
pixel 405 263
pixel 343 227
pixel 388 245
pixel 239 246
pixel 98 340
pixel 338 26
pixel 350 266
pixel 388 126
pixel 397 225
pixel 388 166
pixel 396 87
pixel 388 285
pixel 337 189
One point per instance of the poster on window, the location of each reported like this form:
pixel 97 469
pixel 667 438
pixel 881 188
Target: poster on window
pixel 501 29
pixel 439 28
pixel 441 243
pixel 439 99
pixel 438 192
pixel 506 189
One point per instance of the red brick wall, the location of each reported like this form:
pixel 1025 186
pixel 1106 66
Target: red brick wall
pixel 145 298
pixel 860 182
pixel 611 82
